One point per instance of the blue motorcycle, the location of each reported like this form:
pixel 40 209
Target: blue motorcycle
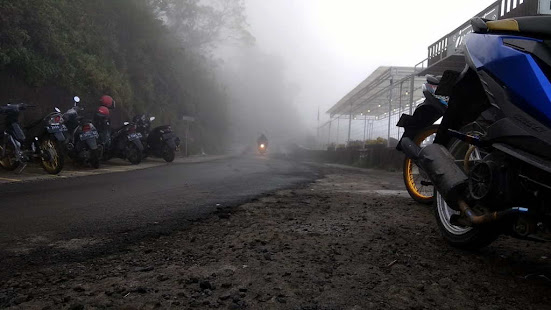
pixel 491 160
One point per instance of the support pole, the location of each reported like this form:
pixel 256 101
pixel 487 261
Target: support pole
pixel 187 136
pixel 400 105
pixel 349 125
pixel 338 125
pixel 365 129
pixel 318 142
pixel 329 135
pixel 411 86
pixel 370 132
pixel 389 111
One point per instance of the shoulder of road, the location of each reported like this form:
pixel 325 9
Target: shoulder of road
pixel 35 173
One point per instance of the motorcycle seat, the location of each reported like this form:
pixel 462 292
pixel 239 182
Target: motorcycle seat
pixel 532 26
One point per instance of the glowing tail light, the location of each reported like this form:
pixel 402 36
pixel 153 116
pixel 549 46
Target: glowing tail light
pixel 54 120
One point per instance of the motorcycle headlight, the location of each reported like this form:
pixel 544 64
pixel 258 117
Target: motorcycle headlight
pixel 262 146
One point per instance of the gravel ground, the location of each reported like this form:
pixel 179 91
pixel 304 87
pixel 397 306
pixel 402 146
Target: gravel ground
pixel 352 240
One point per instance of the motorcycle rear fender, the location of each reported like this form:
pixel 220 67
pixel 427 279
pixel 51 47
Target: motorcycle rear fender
pixel 467 101
pixel 59 136
pixel 92 144
pixel 139 144
pixel 424 116
pixel 171 143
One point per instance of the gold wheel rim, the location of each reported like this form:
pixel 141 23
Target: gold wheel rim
pixel 53 163
pixel 7 161
pixel 411 180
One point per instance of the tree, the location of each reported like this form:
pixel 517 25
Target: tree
pixel 203 25
pixel 148 54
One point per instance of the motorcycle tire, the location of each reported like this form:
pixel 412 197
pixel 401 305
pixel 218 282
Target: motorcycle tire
pixel 468 238
pixel 418 191
pixel 55 164
pixel 106 153
pixel 95 159
pixel 133 154
pixel 8 162
pixel 168 153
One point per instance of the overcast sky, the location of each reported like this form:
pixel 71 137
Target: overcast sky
pixel 330 46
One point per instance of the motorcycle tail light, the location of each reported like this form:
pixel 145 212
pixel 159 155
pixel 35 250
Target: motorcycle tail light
pixel 57 119
pixel 86 127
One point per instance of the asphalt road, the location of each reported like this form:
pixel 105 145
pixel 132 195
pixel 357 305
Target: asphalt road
pixel 67 219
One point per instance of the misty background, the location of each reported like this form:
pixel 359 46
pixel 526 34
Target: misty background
pixel 240 68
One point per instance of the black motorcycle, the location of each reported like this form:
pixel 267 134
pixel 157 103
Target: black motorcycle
pixel 82 145
pixel 160 141
pixel 42 143
pixel 125 143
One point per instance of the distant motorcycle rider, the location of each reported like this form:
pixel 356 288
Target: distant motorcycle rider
pixel 262 140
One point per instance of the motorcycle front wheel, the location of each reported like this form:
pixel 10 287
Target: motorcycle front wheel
pixel 133 154
pixel 417 183
pixel 52 159
pixel 469 238
pixel 168 153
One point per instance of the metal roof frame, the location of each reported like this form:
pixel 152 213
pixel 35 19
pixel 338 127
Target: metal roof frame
pixel 372 96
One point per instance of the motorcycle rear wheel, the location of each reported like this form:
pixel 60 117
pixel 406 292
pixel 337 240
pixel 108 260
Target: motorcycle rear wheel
pixel 133 154
pixel 469 238
pixel 414 177
pixel 96 157
pixel 54 164
pixel 168 153
pixel 9 162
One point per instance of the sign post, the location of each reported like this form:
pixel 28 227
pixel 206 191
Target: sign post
pixel 188 120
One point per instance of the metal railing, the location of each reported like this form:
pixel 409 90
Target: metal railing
pixel 453 42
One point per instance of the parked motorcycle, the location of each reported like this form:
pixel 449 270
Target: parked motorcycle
pixel 421 128
pixel 102 122
pixel 123 142
pixel 82 137
pixel 126 144
pixel 491 160
pixel 42 142
pixel 160 141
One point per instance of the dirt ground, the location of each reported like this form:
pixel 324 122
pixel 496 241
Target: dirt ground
pixel 352 240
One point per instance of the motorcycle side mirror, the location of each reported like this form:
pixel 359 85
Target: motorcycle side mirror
pixel 57 110
pixel 152 118
pixel 76 99
pixel 126 123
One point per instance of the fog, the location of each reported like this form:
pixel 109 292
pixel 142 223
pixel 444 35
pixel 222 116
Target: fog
pixel 308 54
